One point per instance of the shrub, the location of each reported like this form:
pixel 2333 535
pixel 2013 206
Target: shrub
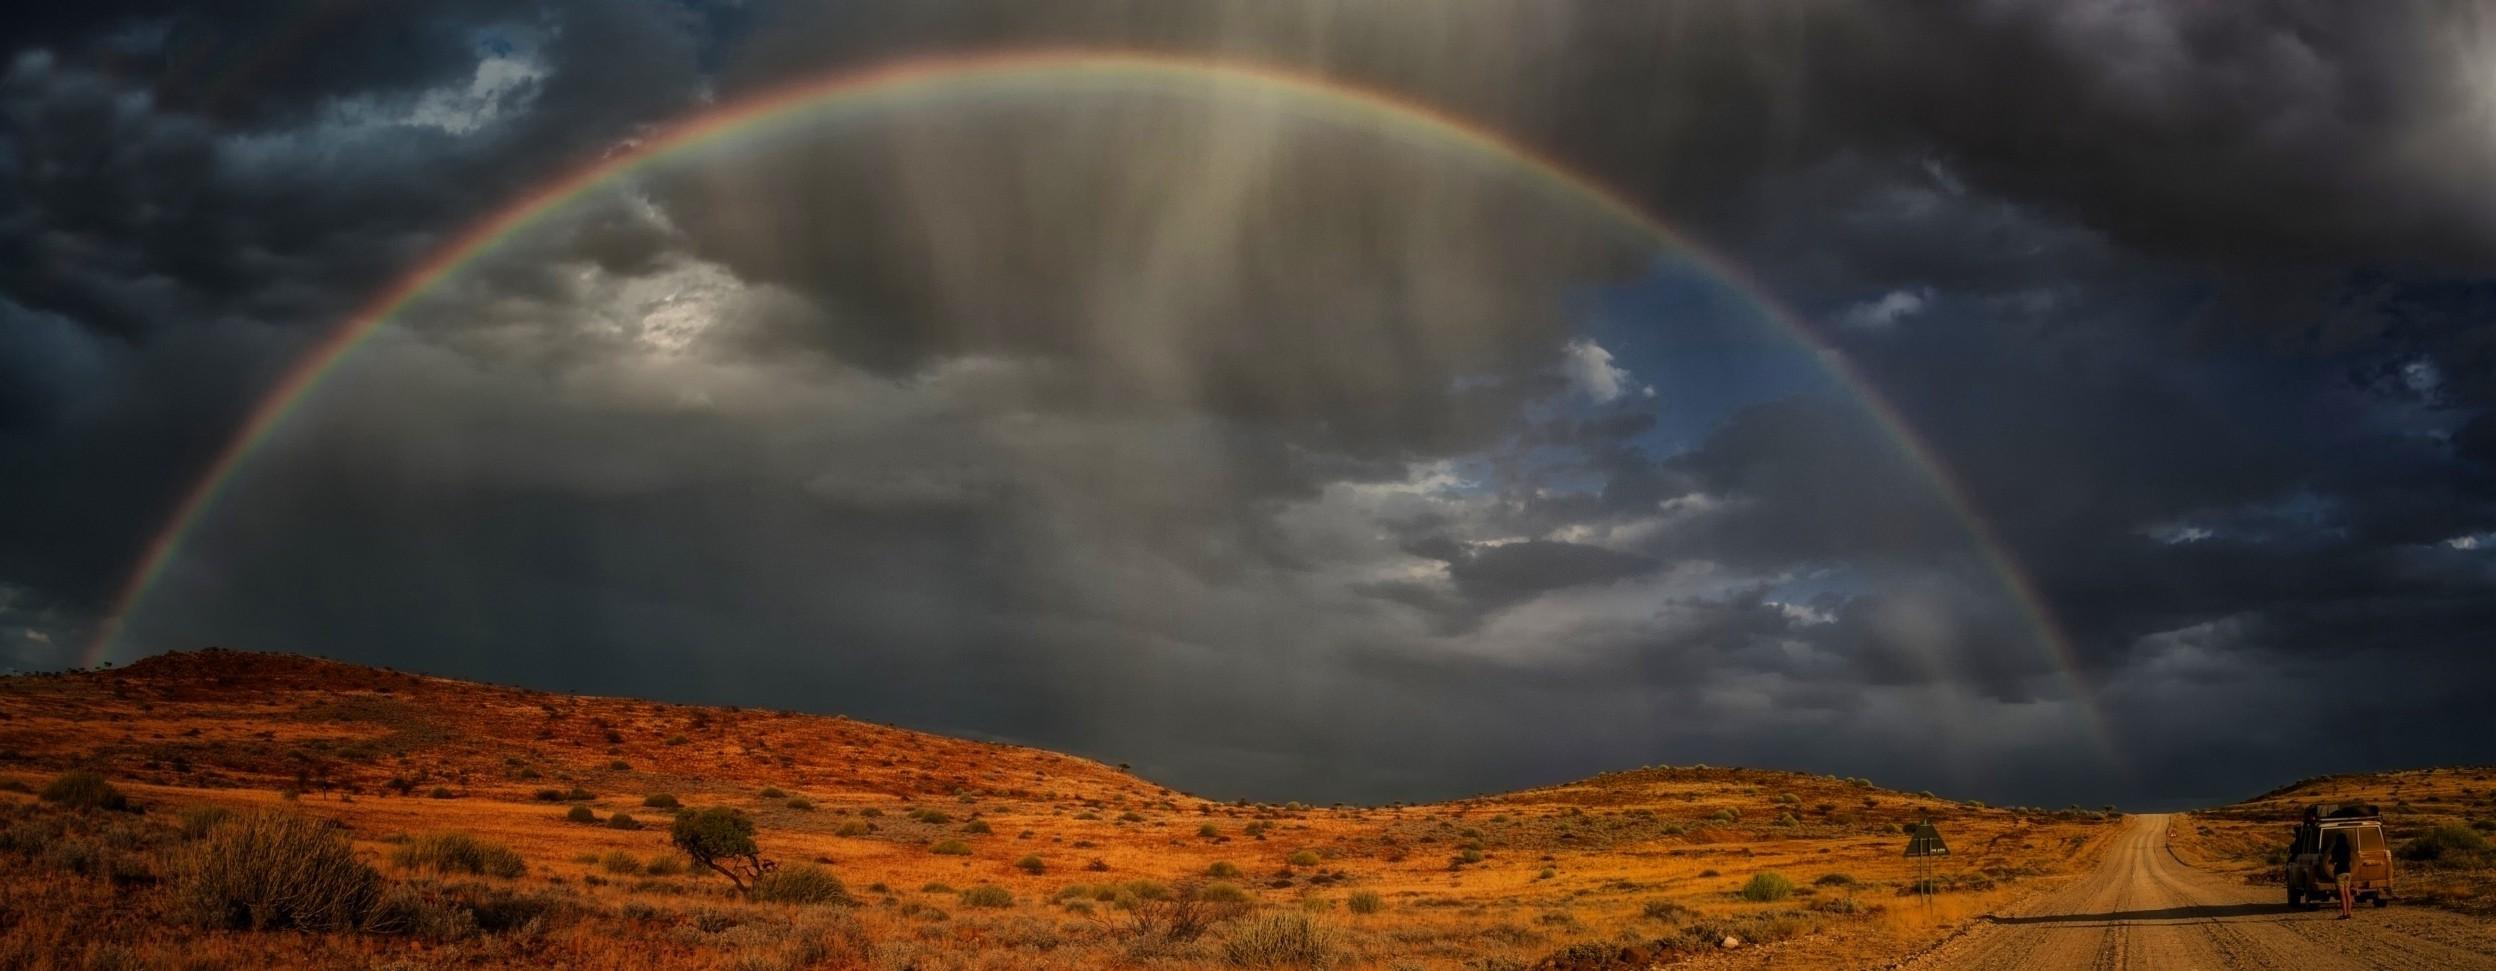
pixel 1209 831
pixel 2449 841
pixel 987 895
pixel 619 765
pixel 664 865
pixel 550 795
pixel 951 848
pixel 801 804
pixel 850 828
pixel 1223 868
pixel 772 792
pixel 1365 902
pixel 721 839
pixel 619 862
pixel 1032 865
pixel 267 870
pixel 660 800
pixel 978 827
pixel 443 792
pixel 1766 887
pixel 580 814
pixel 1727 815
pixel 1221 892
pixel 804 883
pixel 623 820
pixel 1303 858
pixel 458 853
pixel 1661 909
pixel 85 789
pixel 1280 941
pixel 1835 880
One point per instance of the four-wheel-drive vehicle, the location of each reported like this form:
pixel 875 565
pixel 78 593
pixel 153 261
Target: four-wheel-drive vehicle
pixel 2318 841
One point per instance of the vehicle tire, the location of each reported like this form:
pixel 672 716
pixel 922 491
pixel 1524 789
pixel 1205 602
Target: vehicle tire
pixel 2295 899
pixel 2382 901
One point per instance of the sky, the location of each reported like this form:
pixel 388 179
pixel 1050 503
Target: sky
pixel 2056 403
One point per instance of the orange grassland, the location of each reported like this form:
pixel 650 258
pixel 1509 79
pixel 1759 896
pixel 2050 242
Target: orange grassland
pixel 1631 869
pixel 2250 838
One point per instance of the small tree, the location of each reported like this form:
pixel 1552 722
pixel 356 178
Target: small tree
pixel 722 839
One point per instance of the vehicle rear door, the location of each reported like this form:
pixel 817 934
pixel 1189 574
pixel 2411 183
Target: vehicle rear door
pixel 2373 862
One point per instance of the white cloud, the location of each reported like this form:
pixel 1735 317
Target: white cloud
pixel 2422 376
pixel 2174 534
pixel 1886 312
pixel 501 85
pixel 1590 370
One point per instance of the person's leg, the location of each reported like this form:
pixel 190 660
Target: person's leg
pixel 2346 904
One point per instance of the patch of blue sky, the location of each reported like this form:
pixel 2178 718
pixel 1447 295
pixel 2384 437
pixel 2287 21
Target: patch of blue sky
pixel 1709 351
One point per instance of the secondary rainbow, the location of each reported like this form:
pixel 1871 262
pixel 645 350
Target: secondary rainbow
pixel 919 79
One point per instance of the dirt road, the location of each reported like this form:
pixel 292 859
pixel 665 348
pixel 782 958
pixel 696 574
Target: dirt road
pixel 2143 908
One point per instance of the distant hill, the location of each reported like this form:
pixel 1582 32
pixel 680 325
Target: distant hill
pixel 221 719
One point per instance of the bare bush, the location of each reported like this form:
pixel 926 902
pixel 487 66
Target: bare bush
pixel 267 870
pixel 1184 913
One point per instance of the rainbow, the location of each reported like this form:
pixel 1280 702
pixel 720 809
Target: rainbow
pixel 921 79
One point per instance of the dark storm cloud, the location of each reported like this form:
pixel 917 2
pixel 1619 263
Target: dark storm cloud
pixel 253 63
pixel 194 244
pixel 1180 430
pixel 2217 132
pixel 1487 577
pixel 1371 298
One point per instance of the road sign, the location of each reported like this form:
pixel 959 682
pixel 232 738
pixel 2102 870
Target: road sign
pixel 1926 841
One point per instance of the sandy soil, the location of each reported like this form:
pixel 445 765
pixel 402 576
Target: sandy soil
pixel 2145 908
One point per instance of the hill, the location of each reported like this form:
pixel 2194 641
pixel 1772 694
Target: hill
pixel 2439 820
pixel 513 827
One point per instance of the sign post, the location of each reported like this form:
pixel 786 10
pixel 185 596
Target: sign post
pixel 1923 845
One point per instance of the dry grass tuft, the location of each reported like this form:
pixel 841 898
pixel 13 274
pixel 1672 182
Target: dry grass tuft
pixel 1281 941
pixel 801 884
pixel 459 853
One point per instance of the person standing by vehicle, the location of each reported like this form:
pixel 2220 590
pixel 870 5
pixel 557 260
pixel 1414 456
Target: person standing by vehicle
pixel 2342 852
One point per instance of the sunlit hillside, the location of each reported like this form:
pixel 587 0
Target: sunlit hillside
pixel 941 853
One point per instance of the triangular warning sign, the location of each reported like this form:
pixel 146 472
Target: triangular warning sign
pixel 1926 841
